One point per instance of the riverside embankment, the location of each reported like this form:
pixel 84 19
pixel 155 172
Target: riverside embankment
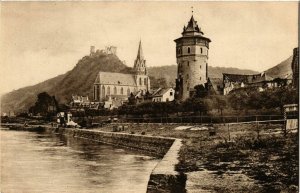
pixel 164 177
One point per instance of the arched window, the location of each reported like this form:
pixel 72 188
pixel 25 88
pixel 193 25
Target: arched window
pixel 189 50
pixel 200 77
pixel 98 92
pixel 201 50
pixel 140 81
pixel 128 92
pixel 179 51
pixel 103 92
pixel 145 81
pixel 108 90
pixel 122 92
pixel 115 90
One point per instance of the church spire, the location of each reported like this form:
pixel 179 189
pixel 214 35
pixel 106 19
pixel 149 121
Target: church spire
pixel 140 62
pixel 140 55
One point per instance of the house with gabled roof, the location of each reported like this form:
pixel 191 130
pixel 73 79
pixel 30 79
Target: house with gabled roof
pixel 163 95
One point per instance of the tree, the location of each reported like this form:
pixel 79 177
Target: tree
pixel 131 99
pixel 201 91
pixel 220 103
pixel 45 105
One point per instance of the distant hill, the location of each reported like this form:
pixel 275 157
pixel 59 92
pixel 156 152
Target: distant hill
pixel 81 78
pixel 281 70
pixel 170 72
pixel 77 81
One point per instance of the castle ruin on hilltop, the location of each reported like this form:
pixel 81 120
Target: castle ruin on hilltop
pixel 107 50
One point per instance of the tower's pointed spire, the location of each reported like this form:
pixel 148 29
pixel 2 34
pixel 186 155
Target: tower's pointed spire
pixel 140 55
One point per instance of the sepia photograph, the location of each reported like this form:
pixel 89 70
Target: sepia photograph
pixel 149 96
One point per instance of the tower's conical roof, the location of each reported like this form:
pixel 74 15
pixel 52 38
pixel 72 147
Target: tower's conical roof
pixel 192 26
pixel 140 55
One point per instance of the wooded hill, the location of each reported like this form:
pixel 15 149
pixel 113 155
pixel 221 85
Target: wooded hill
pixel 81 78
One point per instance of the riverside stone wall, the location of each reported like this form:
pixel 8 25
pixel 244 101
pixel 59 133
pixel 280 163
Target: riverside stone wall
pixel 157 146
pixel 164 177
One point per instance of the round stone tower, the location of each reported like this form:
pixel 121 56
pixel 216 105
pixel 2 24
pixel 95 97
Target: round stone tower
pixel 192 60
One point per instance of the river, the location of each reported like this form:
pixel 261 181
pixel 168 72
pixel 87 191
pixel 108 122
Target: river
pixel 40 162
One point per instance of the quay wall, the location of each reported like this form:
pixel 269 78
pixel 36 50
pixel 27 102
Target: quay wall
pixel 157 146
pixel 164 177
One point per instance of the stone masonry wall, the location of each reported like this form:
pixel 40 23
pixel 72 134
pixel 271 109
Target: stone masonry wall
pixel 164 177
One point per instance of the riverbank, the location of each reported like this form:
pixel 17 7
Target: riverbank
pixel 241 158
pixel 164 177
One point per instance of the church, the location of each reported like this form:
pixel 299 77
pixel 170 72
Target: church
pixel 109 85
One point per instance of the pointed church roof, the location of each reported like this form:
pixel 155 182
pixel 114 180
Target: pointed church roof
pixel 192 26
pixel 140 55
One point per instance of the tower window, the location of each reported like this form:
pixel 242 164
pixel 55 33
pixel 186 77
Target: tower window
pixel 187 76
pixel 145 81
pixel 200 77
pixel 188 63
pixel 200 66
pixel 122 91
pixel 178 51
pixel 189 50
pixel 201 50
pixel 140 81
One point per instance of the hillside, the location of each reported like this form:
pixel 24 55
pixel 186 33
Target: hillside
pixel 81 78
pixel 77 81
pixel 170 72
pixel 282 69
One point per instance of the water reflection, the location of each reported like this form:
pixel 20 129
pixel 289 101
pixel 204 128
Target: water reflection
pixel 53 163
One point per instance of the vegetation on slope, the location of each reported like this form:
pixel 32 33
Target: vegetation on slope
pixel 81 78
pixel 282 69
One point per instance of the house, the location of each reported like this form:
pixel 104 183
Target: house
pixel 163 95
pixel 80 101
pixel 114 101
pixel 237 81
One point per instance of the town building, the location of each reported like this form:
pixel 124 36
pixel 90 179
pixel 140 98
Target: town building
pixel 163 95
pixel 236 81
pixel 260 82
pixel 192 60
pixel 78 102
pixel 119 86
pixel 295 68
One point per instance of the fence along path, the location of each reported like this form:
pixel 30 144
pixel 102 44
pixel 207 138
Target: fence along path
pixel 205 119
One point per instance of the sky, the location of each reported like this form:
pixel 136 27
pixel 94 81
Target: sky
pixel 40 40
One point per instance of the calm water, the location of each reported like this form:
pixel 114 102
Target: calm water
pixel 32 162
